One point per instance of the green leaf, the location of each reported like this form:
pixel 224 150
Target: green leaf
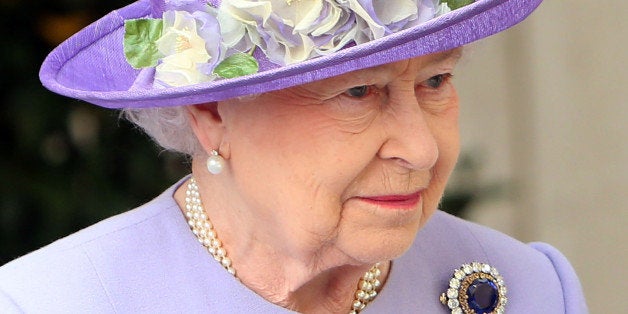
pixel 140 36
pixel 236 65
pixel 457 4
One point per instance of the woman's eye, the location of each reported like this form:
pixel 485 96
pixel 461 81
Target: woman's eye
pixel 437 80
pixel 358 91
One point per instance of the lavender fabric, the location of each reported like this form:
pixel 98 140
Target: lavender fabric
pixel 148 261
pixel 91 65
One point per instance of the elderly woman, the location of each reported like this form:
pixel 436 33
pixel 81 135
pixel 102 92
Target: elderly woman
pixel 322 135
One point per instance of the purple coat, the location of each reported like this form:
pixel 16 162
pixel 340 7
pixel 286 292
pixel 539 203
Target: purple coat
pixel 147 261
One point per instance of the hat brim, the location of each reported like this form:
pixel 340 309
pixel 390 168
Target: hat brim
pixel 91 66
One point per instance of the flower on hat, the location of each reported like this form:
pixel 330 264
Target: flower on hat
pixel 378 18
pixel 198 41
pixel 442 8
pixel 290 31
pixel 188 56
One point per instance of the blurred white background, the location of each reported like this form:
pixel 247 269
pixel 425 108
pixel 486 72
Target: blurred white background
pixel 545 114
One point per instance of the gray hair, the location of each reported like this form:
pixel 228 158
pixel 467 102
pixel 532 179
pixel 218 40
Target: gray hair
pixel 169 127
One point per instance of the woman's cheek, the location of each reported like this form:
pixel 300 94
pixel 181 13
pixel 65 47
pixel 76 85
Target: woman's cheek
pixel 351 117
pixel 446 131
pixel 439 102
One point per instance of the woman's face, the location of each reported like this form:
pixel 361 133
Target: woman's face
pixel 349 167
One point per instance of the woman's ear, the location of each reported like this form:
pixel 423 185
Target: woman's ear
pixel 207 125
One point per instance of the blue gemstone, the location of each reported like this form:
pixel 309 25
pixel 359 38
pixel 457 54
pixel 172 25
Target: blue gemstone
pixel 483 296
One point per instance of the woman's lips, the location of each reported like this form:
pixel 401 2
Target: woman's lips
pixel 407 201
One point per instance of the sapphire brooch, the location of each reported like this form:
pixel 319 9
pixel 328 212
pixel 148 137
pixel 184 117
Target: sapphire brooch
pixel 475 288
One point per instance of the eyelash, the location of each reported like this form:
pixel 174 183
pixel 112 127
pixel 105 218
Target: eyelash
pixel 439 79
pixel 435 82
pixel 366 89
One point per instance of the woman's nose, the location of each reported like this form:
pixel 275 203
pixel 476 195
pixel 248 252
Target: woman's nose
pixel 409 138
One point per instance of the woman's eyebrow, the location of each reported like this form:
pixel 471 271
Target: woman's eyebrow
pixel 453 54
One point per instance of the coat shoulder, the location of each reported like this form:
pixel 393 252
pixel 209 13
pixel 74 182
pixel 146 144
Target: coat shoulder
pixel 69 271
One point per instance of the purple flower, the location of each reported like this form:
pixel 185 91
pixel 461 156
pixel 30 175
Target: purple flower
pixel 378 18
pixel 290 31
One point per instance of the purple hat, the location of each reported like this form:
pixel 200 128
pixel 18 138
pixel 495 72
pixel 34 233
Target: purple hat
pixel 157 53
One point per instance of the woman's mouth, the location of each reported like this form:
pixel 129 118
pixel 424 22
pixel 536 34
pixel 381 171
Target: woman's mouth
pixel 405 202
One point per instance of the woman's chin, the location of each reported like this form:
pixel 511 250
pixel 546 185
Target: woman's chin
pixel 372 232
pixel 370 246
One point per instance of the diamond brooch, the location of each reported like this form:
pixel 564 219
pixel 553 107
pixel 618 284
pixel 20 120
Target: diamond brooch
pixel 475 288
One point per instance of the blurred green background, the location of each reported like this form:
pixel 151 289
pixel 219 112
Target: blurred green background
pixel 66 164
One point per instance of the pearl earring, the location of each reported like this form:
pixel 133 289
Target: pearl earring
pixel 215 162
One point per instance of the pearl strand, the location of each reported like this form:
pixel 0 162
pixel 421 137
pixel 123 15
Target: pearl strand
pixel 202 227
pixel 206 235
pixel 367 289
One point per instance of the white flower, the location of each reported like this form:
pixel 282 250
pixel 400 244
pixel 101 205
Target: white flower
pixel 186 54
pixel 442 8
pixel 288 31
pixel 378 18
pixel 180 70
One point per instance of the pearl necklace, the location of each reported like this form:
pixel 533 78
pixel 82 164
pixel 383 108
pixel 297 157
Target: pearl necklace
pixel 206 235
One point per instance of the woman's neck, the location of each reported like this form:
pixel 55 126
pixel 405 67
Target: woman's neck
pixel 324 282
pixel 329 291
